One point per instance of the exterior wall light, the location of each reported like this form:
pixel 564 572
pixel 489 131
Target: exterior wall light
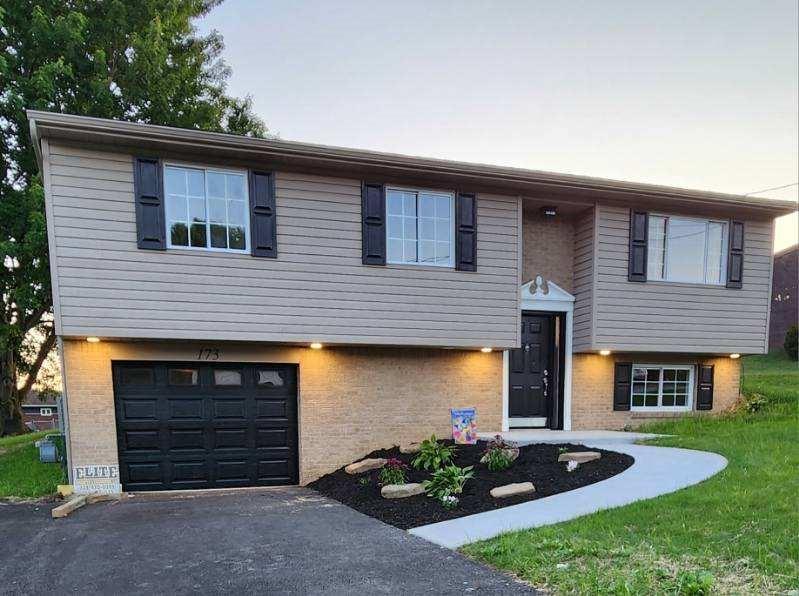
pixel 316 346
pixel 604 352
pixel 93 340
pixel 486 350
pixel 735 356
pixel 549 211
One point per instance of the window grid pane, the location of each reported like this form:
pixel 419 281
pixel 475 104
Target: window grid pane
pixel 419 227
pixel 686 249
pixel 660 387
pixel 205 208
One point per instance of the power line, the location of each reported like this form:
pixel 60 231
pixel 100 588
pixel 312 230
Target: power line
pixel 775 188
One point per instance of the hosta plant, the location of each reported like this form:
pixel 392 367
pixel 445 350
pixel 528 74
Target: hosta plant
pixel 433 455
pixel 447 481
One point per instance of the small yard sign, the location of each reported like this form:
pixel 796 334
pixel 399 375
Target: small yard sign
pixel 464 425
pixel 96 479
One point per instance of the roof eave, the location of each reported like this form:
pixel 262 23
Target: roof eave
pixel 194 141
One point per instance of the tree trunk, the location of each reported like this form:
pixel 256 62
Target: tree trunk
pixel 10 399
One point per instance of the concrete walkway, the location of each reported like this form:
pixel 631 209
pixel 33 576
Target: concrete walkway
pixel 656 471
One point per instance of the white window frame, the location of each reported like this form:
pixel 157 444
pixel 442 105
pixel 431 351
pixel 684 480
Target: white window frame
pixel 451 263
pixel 45 411
pixel 206 169
pixel 725 239
pixel 689 398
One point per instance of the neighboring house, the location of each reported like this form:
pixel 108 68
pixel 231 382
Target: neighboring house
pixel 784 299
pixel 235 311
pixel 40 413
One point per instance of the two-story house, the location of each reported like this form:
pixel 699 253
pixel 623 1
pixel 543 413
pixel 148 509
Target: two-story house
pixel 235 311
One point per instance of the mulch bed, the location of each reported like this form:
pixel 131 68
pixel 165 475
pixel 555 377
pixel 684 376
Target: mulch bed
pixel 536 463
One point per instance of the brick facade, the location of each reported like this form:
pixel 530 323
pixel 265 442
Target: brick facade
pixel 351 400
pixel 592 388
pixel 547 247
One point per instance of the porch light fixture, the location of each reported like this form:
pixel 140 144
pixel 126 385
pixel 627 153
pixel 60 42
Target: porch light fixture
pixel 93 340
pixel 735 356
pixel 549 211
pixel 604 352
pixel 486 350
pixel 316 346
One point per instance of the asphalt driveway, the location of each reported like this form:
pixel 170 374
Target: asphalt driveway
pixel 274 541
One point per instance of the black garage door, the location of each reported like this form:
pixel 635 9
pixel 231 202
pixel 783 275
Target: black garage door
pixel 221 425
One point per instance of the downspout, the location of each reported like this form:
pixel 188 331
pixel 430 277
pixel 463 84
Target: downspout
pixel 65 408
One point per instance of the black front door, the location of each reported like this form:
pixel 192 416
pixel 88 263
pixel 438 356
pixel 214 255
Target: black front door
pixel 531 372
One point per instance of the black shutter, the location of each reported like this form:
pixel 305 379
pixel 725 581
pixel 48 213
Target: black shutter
pixel 466 231
pixel 639 234
pixel 735 257
pixel 704 392
pixel 148 189
pixel 623 376
pixel 373 223
pixel 263 215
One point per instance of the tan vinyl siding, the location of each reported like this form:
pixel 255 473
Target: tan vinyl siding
pixel 584 242
pixel 679 317
pixel 317 289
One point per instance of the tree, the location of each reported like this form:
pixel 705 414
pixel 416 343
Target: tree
pixel 141 61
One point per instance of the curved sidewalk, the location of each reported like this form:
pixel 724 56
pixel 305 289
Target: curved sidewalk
pixel 656 471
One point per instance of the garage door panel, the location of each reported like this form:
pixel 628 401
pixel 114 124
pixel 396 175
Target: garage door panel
pixel 227 470
pixel 190 471
pixel 273 467
pixel 230 438
pixel 141 440
pixel 271 437
pixel 187 425
pixel 271 408
pixel 193 439
pixel 140 409
pixel 185 409
pixel 230 408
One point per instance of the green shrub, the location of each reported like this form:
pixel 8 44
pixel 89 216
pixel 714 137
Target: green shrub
pixel 497 454
pixel 364 481
pixel 792 342
pixel 447 481
pixel 497 460
pixel 754 403
pixel 432 455
pixel 393 472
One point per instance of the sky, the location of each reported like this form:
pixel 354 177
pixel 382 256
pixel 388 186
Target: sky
pixel 700 94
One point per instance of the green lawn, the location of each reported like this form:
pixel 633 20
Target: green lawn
pixel 22 475
pixel 734 533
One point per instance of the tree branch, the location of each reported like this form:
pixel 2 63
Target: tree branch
pixel 44 350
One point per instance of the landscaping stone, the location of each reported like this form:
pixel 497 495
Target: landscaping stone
pixel 400 491
pixel 512 490
pixel 580 457
pixel 413 447
pixel 365 465
pixel 68 507
pixel 512 453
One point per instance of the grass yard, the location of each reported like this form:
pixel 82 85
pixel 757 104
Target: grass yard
pixel 22 475
pixel 735 533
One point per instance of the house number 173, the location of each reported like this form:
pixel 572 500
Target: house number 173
pixel 208 354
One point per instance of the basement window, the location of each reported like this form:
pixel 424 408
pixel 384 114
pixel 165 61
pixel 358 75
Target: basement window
pixel 667 388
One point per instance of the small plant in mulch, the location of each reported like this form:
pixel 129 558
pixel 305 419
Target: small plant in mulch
pixel 393 472
pixel 498 454
pixel 449 502
pixel 562 450
pixel 433 455
pixel 448 481
pixel 364 480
